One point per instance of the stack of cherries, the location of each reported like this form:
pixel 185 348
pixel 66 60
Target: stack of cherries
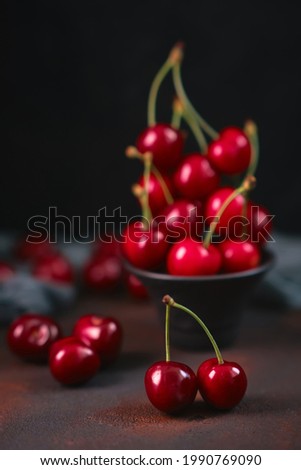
pixel 197 218
pixel 95 343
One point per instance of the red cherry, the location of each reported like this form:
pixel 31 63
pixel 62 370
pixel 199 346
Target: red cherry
pixel 102 334
pixel 53 268
pixel 232 220
pixel 156 196
pixel 239 255
pixel 190 258
pixel 108 245
pixel 231 152
pixel 6 271
pixel 72 362
pixel 170 386
pixel 260 223
pixel 181 219
pixel 164 142
pixel 143 248
pixel 31 335
pixel 135 287
pixel 103 272
pixel 221 385
pixel 195 178
pixel 32 251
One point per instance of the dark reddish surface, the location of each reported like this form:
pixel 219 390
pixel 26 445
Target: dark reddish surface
pixel 113 412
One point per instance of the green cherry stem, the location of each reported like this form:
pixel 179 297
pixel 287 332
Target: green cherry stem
pixel 177 114
pixel 246 186
pixel 197 131
pixel 178 84
pixel 174 57
pixel 170 302
pixel 167 328
pixel 252 133
pixel 133 152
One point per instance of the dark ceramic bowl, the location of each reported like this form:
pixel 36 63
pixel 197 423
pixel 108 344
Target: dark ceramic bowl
pixel 218 300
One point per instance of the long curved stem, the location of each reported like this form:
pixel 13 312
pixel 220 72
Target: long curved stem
pixel 169 301
pixel 164 187
pixel 175 56
pixel 178 84
pixel 252 133
pixel 167 342
pixel 197 132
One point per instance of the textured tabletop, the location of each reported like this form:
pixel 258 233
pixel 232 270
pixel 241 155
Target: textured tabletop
pixel 112 411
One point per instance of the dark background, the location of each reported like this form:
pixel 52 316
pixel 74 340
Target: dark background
pixel 76 76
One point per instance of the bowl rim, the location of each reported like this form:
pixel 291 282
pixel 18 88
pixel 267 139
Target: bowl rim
pixel 267 263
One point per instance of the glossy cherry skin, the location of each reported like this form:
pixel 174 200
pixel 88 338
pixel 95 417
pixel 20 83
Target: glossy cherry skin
pixel 190 258
pixel 164 142
pixel 54 268
pixel 195 178
pixel 156 197
pixel 145 249
pixel 232 220
pixel 6 271
pixel 71 362
pixel 239 255
pixel 135 287
pixel 29 251
pixel 31 335
pixel 221 385
pixel 261 225
pixel 170 386
pixel 231 152
pixel 103 272
pixel 102 334
pixel 182 219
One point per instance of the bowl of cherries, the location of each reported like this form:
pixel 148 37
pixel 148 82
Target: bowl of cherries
pixel 200 236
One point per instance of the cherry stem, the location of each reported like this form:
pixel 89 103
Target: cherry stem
pixel 133 152
pixel 197 132
pixel 146 176
pixel 178 84
pixel 177 113
pixel 164 187
pixel 167 342
pixel 174 57
pixel 252 133
pixel 244 188
pixel 169 301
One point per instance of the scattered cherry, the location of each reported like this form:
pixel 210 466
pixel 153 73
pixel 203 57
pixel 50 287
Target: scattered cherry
pixel 53 267
pixel 71 362
pixel 135 286
pixel 164 142
pixel 33 250
pixel 6 271
pixel 170 386
pixel 221 385
pixel 261 226
pixel 231 152
pixel 195 178
pixel 103 272
pixel 102 334
pixel 31 335
pixel 190 258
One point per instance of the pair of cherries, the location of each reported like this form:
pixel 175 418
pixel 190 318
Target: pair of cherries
pixel 172 386
pixel 95 342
